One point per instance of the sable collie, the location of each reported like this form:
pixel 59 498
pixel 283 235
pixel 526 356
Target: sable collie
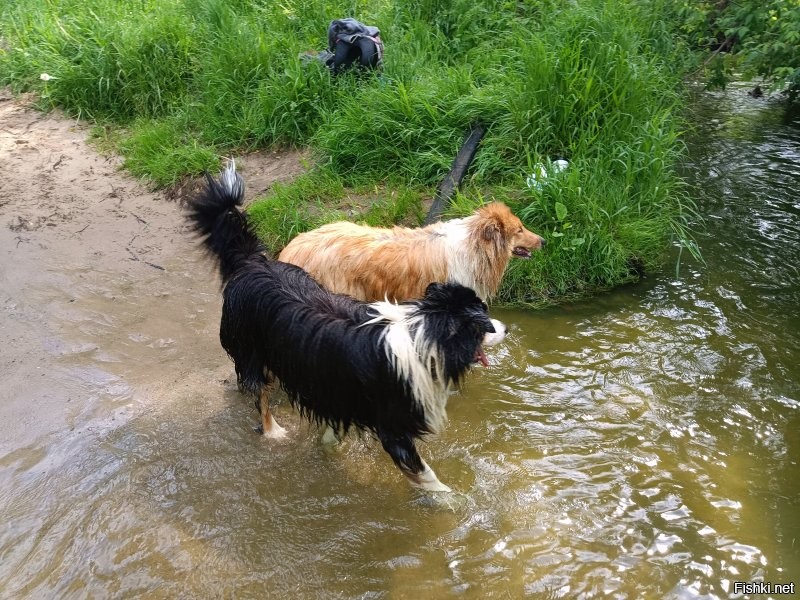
pixel 371 263
pixel 380 367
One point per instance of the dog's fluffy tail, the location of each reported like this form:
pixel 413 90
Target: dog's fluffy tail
pixel 224 230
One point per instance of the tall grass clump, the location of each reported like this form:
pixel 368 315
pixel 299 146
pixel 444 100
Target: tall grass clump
pixel 394 127
pixel 593 82
pixel 164 150
pixel 585 90
pixel 107 61
pixel 252 88
pixel 228 71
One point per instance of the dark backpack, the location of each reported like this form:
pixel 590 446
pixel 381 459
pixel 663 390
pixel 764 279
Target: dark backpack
pixel 351 43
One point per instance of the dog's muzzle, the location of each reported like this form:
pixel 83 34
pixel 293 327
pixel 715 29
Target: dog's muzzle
pixel 490 339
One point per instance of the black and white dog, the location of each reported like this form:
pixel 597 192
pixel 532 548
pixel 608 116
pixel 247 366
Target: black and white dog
pixel 381 367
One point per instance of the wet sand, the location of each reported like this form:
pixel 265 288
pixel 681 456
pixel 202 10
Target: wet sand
pixel 108 305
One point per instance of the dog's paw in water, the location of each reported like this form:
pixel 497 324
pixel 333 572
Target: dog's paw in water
pixel 426 480
pixel 273 432
pixel 451 501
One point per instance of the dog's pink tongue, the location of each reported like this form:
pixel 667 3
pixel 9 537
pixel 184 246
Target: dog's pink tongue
pixel 481 357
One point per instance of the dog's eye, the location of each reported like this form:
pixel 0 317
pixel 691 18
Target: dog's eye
pixel 519 230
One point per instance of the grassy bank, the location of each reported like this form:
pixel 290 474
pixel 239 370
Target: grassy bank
pixel 186 81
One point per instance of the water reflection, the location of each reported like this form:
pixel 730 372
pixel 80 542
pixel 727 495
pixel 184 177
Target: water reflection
pixel 657 424
pixel 642 444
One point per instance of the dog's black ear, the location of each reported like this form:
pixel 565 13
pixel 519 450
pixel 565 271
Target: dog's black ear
pixel 433 288
pixel 454 296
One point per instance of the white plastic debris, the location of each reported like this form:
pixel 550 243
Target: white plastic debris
pixel 541 171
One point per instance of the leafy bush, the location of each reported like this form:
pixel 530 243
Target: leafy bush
pixel 759 38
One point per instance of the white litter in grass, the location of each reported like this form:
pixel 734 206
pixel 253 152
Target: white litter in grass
pixel 541 171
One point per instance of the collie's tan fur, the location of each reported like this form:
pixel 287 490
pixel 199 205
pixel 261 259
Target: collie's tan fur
pixel 371 263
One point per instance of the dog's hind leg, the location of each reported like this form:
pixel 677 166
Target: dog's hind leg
pixel 404 454
pixel 269 427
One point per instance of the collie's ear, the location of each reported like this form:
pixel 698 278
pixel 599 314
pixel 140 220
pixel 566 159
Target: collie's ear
pixel 492 231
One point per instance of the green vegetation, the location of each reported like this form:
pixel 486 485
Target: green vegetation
pixel 320 197
pixel 594 82
pixel 752 38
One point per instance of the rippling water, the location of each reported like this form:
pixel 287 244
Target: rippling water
pixel 641 445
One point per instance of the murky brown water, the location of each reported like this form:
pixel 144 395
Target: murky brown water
pixel 641 445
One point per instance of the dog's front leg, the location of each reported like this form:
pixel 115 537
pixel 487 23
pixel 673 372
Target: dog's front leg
pixel 404 454
pixel 269 427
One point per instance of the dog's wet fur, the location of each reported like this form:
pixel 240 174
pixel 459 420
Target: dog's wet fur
pixel 373 263
pixel 381 367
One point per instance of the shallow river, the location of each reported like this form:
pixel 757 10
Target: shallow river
pixel 644 444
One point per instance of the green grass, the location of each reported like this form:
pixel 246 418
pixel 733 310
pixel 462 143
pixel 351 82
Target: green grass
pixel 320 197
pixel 594 82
